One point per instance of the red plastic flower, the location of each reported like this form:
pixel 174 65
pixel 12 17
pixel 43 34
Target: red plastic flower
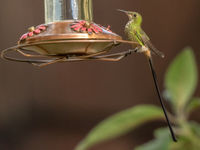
pixel 38 30
pixel 24 36
pixel 106 28
pixel 84 26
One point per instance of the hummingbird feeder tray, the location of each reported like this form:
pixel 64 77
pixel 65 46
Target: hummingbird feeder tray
pixel 68 35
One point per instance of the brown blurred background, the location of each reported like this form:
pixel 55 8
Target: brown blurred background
pixel 54 107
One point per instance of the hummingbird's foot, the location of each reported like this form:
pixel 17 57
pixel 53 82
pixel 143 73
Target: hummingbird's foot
pixel 140 49
pixel 129 52
pixel 134 50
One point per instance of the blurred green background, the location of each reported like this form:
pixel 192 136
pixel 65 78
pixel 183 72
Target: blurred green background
pixel 54 107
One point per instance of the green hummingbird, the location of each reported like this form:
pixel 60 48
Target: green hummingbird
pixel 135 33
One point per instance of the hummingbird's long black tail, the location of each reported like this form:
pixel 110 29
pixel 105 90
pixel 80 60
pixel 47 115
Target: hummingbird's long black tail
pixel 160 98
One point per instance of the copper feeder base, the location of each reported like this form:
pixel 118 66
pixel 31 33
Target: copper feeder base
pixel 64 41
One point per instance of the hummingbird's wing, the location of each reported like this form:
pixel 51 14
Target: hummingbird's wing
pixel 142 36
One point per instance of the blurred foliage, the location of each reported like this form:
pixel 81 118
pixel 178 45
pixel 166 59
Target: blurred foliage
pixel 180 82
pixel 120 124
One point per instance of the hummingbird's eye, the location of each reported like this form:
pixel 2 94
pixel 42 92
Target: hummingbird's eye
pixel 135 15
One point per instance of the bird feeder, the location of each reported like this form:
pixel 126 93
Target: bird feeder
pixel 69 34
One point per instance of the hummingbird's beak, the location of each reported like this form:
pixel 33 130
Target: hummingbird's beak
pixel 123 11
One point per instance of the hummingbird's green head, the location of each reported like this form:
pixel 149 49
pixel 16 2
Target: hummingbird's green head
pixel 136 17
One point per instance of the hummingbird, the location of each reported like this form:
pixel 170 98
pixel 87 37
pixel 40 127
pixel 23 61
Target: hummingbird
pixel 135 33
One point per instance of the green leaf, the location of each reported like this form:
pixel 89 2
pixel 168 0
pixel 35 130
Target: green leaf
pixel 181 78
pixel 183 144
pixel 188 138
pixel 162 141
pixel 186 143
pixel 120 124
pixel 193 104
pixel 195 128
